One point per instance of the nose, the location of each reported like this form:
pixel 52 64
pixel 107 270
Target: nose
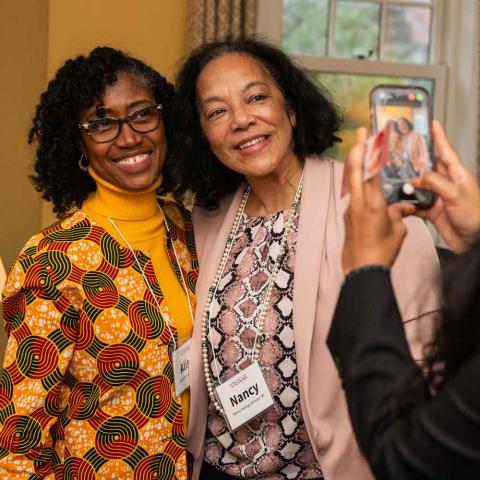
pixel 128 136
pixel 242 118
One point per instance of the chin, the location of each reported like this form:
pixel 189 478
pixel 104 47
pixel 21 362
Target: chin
pixel 260 171
pixel 140 185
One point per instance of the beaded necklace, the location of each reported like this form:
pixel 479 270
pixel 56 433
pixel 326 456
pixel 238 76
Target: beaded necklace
pixel 266 301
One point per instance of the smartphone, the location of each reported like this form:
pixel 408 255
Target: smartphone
pixel 403 116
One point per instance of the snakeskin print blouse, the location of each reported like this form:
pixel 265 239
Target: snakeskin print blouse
pixel 274 445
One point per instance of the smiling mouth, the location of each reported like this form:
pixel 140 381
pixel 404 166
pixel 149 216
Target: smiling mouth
pixel 133 160
pixel 253 142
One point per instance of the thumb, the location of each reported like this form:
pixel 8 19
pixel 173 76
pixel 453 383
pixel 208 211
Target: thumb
pixel 400 210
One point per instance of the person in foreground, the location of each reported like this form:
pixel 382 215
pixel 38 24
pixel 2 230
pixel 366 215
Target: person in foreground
pixel 95 303
pixel 407 424
pixel 268 226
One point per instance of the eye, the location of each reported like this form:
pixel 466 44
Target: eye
pixel 144 115
pixel 101 125
pixel 257 97
pixel 215 113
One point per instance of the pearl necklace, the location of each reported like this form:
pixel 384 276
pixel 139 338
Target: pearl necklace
pixel 266 301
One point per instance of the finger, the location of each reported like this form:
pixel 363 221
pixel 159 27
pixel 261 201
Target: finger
pixel 397 211
pixel 439 169
pixel 376 181
pixel 446 154
pixel 374 191
pixel 361 135
pixel 355 166
pixel 436 183
pixel 432 212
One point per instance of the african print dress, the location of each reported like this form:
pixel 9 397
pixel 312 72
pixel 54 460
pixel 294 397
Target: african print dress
pixel 87 387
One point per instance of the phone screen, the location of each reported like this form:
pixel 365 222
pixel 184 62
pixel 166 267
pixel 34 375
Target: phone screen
pixel 403 114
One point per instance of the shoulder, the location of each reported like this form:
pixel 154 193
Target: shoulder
pixel 212 226
pixel 323 184
pixel 45 252
pixel 202 216
pixel 176 214
pixel 323 161
pixel 67 229
pixel 418 242
pixel 415 274
pixel 323 168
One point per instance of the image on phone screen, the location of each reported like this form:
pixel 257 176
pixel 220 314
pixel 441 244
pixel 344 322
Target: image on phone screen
pixel 403 114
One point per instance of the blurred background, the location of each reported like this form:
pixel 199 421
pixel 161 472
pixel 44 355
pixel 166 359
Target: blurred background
pixel 347 45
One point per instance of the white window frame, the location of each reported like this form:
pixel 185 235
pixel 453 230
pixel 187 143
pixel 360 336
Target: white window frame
pixel 454 66
pixel 461 42
pixel 269 26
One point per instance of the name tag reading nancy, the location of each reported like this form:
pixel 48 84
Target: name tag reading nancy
pixel 244 396
pixel 181 367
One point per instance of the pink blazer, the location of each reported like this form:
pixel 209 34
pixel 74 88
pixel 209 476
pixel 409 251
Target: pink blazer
pixel 318 278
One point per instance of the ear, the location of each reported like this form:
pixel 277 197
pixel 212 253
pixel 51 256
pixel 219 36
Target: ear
pixel 292 117
pixel 81 147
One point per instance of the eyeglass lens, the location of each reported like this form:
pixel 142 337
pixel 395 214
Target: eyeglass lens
pixel 107 129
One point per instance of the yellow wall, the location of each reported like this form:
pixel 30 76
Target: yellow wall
pixel 152 30
pixel 23 66
pixel 23 62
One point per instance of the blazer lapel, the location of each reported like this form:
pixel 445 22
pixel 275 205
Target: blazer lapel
pixel 309 258
pixel 211 233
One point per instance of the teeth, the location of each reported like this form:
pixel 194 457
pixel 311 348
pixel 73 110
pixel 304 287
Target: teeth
pixel 133 160
pixel 252 142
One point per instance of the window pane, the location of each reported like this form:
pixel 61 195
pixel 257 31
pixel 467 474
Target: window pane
pixel 304 28
pixel 357 27
pixel 407 35
pixel 425 2
pixel 351 94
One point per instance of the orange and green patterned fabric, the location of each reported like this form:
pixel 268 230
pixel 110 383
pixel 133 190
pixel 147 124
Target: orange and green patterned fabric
pixel 87 386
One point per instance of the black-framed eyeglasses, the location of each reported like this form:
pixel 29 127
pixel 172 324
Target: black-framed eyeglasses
pixel 104 130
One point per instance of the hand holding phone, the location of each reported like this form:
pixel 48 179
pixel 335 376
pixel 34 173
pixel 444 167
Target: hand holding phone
pixel 374 231
pixel 456 213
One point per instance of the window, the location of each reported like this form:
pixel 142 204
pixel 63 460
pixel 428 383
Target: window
pixel 349 46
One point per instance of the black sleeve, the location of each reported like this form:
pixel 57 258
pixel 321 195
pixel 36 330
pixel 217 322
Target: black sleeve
pixel 433 438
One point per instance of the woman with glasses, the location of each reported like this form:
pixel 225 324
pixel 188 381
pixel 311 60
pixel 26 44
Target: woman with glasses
pixel 98 307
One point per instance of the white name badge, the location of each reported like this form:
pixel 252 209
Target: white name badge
pixel 181 367
pixel 244 396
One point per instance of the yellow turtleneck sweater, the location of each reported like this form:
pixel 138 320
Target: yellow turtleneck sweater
pixel 141 222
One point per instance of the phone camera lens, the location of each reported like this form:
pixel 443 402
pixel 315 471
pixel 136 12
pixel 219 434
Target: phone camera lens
pixel 407 188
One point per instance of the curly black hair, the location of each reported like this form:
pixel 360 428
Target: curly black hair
pixel 77 85
pixel 196 167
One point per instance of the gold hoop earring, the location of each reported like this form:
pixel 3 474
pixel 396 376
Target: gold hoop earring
pixel 83 163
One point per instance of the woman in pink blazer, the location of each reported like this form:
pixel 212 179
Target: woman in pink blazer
pixel 266 399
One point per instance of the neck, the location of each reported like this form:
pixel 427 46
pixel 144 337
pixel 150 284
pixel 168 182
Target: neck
pixel 273 193
pixel 111 201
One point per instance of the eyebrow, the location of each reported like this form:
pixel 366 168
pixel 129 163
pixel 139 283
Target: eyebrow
pixel 215 98
pixel 107 110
